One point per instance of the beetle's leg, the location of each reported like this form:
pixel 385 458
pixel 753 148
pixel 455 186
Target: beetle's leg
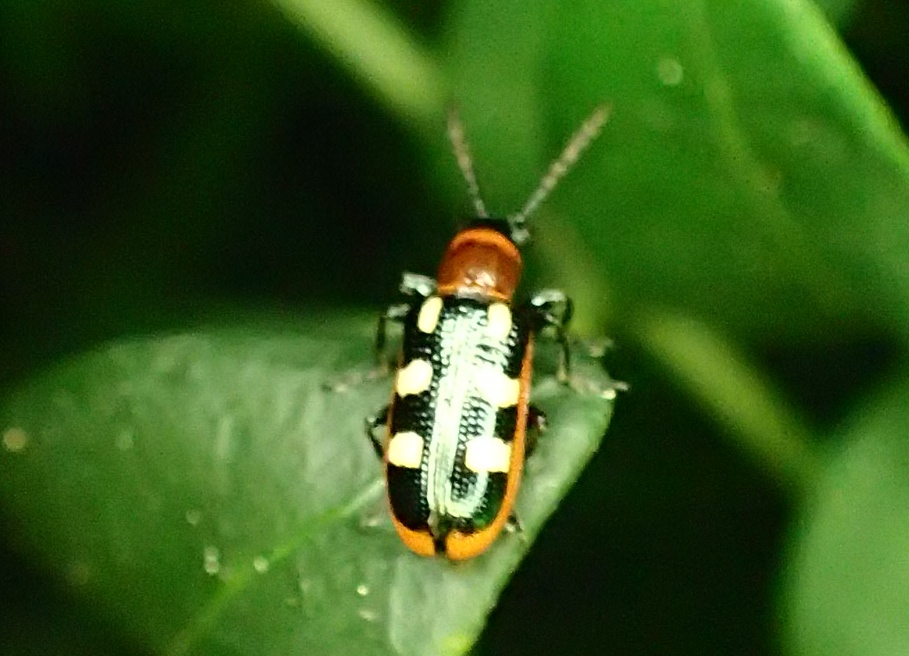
pixel 395 312
pixel 536 425
pixel 372 423
pixel 514 525
pixel 414 286
pixel 382 365
pixel 552 307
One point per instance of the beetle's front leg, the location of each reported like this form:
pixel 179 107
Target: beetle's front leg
pixel 415 287
pixel 553 308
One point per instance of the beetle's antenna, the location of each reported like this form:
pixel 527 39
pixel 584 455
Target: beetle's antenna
pixel 465 161
pixel 579 141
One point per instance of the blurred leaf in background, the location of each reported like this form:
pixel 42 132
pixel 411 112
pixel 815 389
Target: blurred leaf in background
pixel 199 200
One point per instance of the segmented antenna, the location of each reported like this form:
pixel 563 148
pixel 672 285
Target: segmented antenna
pixel 588 131
pixel 465 161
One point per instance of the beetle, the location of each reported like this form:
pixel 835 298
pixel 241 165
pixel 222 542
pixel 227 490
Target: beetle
pixel 455 435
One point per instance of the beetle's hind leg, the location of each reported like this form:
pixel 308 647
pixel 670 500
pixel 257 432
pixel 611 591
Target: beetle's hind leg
pixel 536 425
pixel 514 525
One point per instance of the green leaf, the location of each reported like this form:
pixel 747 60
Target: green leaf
pixel 847 571
pixel 212 497
pixel 749 174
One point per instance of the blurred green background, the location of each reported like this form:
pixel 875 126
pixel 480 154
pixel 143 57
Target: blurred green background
pixel 741 229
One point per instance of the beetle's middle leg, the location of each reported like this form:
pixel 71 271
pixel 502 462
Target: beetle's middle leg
pixel 372 425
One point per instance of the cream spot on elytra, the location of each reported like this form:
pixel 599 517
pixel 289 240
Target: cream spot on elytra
pixel 498 321
pixel 496 387
pixel 413 378
pixel 405 450
pixel 488 454
pixel 429 314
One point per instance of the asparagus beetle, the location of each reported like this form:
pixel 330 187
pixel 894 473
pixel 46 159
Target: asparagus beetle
pixel 455 432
